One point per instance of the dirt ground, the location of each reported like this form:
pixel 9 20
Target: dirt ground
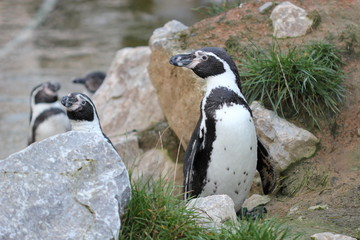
pixel 336 165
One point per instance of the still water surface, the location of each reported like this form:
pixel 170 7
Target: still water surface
pixel 58 40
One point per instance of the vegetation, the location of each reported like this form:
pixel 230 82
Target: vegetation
pixel 299 82
pixel 155 213
pixel 214 8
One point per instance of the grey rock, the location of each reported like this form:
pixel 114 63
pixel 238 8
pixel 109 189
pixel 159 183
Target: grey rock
pixel 290 21
pixel 213 210
pixel 255 200
pixel 127 100
pixel 69 186
pixel 330 236
pixel 265 7
pixel 156 163
pixel 286 142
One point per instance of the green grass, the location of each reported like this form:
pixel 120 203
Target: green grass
pixel 214 8
pixel 302 83
pixel 155 213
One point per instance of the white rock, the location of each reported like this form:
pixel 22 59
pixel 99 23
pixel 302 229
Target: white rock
pixel 160 35
pixel 214 210
pixel 70 186
pixel 290 21
pixel 255 200
pixel 286 142
pixel 330 236
pixel 127 100
pixel 319 207
pixel 263 8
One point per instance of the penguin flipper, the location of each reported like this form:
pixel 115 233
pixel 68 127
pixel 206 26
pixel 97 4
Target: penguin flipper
pixel 265 169
pixel 191 150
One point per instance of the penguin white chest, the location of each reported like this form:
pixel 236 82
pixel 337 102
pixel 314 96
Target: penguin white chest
pixel 233 158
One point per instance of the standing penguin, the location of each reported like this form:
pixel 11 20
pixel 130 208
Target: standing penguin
pixel 82 114
pixel 224 151
pixel 92 81
pixel 47 116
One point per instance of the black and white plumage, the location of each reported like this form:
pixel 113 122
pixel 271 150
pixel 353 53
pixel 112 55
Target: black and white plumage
pixel 224 151
pixel 47 116
pixel 91 81
pixel 82 113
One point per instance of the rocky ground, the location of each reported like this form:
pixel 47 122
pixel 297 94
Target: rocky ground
pixel 332 176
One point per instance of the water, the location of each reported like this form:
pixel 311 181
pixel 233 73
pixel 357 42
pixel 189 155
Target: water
pixel 58 40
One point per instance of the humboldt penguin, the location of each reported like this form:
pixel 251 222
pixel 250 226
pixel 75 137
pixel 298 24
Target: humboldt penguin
pixel 47 116
pixel 224 150
pixel 91 81
pixel 82 114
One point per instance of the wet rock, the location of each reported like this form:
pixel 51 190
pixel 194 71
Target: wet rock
pixel 178 90
pixel 265 7
pixel 214 210
pixel 70 186
pixel 255 200
pixel 286 142
pixel 330 236
pixel 290 21
pixel 127 100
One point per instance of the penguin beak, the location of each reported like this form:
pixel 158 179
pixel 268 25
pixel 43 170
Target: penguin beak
pixel 68 101
pixel 79 80
pixel 182 60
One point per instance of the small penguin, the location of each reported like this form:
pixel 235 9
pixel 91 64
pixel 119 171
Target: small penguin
pixel 82 113
pixel 92 81
pixel 224 151
pixel 47 116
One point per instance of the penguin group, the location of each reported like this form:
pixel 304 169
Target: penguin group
pixel 224 151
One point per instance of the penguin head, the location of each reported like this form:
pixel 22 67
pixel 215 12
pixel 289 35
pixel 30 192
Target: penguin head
pixel 46 92
pixel 206 62
pixel 92 81
pixel 79 107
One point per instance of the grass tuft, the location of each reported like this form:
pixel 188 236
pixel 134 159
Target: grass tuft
pixel 155 213
pixel 299 82
pixel 215 8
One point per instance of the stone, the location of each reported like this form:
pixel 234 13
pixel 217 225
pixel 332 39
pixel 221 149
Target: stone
pixel 330 236
pixel 255 200
pixel 128 147
pixel 127 100
pixel 265 7
pixel 319 207
pixel 156 163
pixel 178 90
pixel 213 210
pixel 69 186
pixel 286 142
pixel 290 21
pixel 293 210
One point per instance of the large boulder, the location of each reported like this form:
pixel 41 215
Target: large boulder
pixel 286 142
pixel 127 100
pixel 70 186
pixel 178 90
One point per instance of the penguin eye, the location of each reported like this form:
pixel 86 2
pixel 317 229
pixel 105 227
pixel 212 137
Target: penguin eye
pixel 83 103
pixel 204 58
